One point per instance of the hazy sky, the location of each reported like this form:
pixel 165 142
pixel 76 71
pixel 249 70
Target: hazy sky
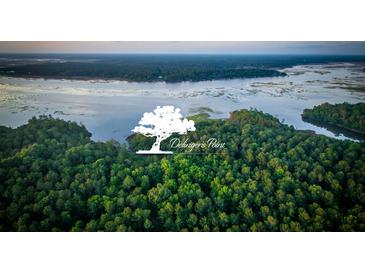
pixel 186 47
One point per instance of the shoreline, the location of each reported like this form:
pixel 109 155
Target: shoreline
pixel 337 129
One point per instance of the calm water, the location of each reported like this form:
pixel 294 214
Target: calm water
pixel 110 109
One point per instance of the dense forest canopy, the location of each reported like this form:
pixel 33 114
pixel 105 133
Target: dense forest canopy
pixel 149 68
pixel 269 177
pixel 343 116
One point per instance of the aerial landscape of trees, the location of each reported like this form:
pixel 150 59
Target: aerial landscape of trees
pixel 269 177
pixel 343 116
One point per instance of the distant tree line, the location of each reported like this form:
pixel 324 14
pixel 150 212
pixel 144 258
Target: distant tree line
pixel 136 72
pixel 153 67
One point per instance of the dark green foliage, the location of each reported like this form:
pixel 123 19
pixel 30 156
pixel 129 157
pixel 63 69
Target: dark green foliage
pixel 343 116
pixel 269 177
pixel 137 72
pixel 43 130
pixel 153 67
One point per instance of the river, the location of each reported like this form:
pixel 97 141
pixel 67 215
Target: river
pixel 111 109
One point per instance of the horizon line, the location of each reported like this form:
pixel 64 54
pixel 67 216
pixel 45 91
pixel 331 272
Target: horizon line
pixel 186 53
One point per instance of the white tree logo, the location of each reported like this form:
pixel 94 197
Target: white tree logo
pixel 162 123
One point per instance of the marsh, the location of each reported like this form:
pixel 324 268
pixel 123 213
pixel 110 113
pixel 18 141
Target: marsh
pixel 111 108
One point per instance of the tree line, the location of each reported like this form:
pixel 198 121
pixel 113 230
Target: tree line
pixel 344 116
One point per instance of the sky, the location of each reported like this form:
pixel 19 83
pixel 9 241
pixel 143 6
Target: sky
pixel 357 48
